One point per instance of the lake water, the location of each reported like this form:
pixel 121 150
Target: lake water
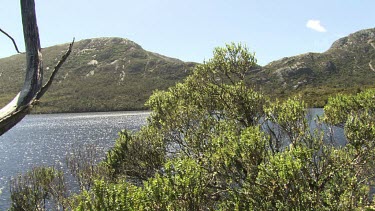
pixel 46 139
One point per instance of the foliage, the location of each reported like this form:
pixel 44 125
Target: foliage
pixel 138 156
pixel 250 153
pixel 183 186
pixel 213 143
pixel 109 196
pixel 82 164
pixel 286 122
pixel 33 190
pixel 341 107
pixel 255 154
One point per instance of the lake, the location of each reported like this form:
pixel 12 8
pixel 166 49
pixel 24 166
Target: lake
pixel 46 139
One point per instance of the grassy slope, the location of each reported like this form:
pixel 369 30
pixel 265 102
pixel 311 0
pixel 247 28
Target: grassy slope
pixel 125 75
pixel 100 75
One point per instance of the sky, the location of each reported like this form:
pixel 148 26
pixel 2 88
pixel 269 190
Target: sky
pixel 190 29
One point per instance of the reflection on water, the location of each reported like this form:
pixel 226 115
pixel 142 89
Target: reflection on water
pixel 46 139
pixel 333 135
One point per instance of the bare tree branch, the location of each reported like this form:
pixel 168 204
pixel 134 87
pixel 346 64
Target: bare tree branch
pixel 32 89
pixel 10 37
pixel 54 72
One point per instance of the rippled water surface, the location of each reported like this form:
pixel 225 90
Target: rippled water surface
pixel 46 139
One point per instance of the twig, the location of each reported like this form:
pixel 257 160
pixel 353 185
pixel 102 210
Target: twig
pixel 14 42
pixel 57 67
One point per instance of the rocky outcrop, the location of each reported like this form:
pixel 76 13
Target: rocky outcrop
pixel 353 40
pixel 347 65
pixel 330 67
pixel 294 70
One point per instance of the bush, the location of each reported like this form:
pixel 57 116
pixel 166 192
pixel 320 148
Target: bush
pixel 250 153
pixel 37 188
pixel 213 143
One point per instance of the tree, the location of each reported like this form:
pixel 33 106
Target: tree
pixel 213 143
pixel 32 89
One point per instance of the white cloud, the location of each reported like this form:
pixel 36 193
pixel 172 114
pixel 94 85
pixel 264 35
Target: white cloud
pixel 315 25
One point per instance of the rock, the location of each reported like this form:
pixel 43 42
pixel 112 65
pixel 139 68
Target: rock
pixel 93 62
pixel 330 67
pixel 296 69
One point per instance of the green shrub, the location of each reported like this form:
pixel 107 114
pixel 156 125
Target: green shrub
pixel 213 143
pixel 37 187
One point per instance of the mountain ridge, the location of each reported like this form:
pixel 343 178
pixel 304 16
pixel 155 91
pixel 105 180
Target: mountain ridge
pixel 101 74
pixel 112 73
pixel 346 67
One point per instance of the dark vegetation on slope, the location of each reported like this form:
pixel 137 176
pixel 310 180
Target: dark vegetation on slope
pixel 108 74
pixel 347 67
pixel 103 74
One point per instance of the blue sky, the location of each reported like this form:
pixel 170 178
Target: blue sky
pixel 190 29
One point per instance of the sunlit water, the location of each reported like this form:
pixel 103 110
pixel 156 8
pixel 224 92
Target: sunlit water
pixel 46 139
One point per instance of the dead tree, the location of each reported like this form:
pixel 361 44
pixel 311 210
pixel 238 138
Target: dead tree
pixel 32 89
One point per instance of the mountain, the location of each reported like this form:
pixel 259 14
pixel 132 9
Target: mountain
pixel 103 74
pixel 348 66
pixel 107 74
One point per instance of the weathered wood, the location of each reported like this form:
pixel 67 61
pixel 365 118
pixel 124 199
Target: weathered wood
pixel 34 68
pixel 32 89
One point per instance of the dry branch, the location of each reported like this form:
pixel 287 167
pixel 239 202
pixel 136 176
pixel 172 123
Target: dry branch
pixel 32 89
pixel 54 72
pixel 10 37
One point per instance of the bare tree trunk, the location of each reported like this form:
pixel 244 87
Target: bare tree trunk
pixel 32 89
pixel 34 67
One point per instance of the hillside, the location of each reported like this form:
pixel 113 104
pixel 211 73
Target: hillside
pixel 100 75
pixel 348 66
pixel 107 74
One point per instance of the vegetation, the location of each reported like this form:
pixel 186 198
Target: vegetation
pixel 33 190
pixel 344 68
pixel 106 74
pixel 213 143
pixel 109 74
